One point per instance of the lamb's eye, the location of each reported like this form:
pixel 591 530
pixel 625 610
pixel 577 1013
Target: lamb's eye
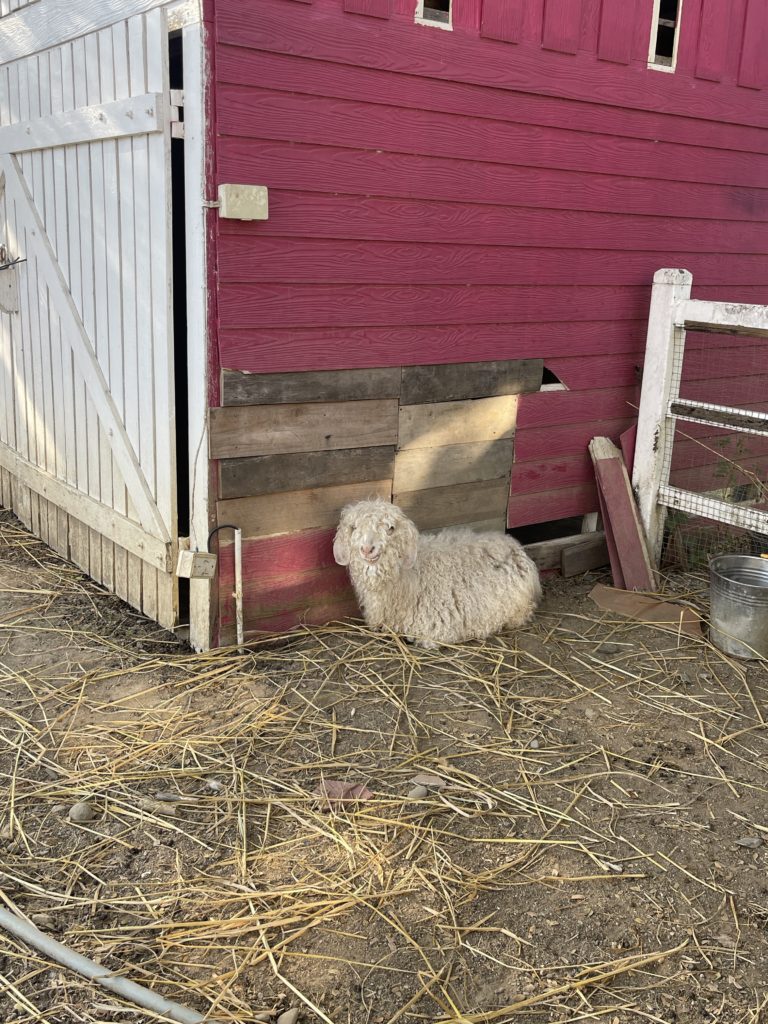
pixel 391 529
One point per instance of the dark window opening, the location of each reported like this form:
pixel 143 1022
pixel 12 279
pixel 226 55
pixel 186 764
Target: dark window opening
pixel 179 249
pixel 666 30
pixel 437 10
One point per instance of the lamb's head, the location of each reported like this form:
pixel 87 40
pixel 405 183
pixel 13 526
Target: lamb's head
pixel 375 537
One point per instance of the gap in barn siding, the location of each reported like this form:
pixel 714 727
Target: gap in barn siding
pixel 536 533
pixel 179 235
pixel 434 12
pixel 551 382
pixel 665 34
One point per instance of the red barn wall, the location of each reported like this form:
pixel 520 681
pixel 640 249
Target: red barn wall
pixel 504 190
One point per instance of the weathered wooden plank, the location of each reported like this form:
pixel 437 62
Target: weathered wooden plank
pixel 268 474
pixel 293 511
pixel 444 423
pixel 22 502
pixel 547 554
pixel 108 564
pixel 79 544
pixel 502 19
pixel 419 468
pixel 149 592
pixel 592 553
pixel 87 510
pixel 450 382
pixel 94 556
pixel 238 388
pixel 621 518
pixel 457 505
pixel 121 572
pixel 238 431
pixel 134 582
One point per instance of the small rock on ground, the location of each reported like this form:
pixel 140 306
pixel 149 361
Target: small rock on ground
pixel 81 811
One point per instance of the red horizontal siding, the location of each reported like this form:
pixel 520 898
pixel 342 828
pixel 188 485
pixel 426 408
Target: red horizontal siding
pixel 318 120
pixel 453 196
pixel 322 35
pixel 435 181
pixel 340 81
pixel 354 305
pixel 551 474
pixel 312 615
pixel 251 257
pixel 547 409
pixel 546 506
pixel 543 442
pixel 271 350
pixel 286 579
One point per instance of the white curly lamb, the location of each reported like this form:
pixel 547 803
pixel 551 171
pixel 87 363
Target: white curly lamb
pixel 444 588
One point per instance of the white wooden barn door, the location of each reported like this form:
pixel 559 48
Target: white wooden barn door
pixel 87 425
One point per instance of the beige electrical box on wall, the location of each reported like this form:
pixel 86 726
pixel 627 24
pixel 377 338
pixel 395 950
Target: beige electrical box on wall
pixel 196 565
pixel 243 202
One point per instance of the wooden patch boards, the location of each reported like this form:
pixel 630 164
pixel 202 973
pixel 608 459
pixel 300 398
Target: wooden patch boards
pixel 294 448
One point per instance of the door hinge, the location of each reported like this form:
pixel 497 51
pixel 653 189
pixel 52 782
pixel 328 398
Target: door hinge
pixel 177 113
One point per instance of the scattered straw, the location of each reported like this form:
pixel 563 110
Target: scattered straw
pixel 585 762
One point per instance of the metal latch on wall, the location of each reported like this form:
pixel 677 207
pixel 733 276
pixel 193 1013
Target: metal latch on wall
pixel 9 281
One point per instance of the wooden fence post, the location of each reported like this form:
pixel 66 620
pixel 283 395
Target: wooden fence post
pixel 669 288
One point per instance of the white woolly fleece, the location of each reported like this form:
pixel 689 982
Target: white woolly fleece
pixel 453 586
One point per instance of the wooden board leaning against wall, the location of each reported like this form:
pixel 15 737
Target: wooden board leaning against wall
pixel 294 448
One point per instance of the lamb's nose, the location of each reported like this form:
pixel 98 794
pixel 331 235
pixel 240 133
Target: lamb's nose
pixel 367 550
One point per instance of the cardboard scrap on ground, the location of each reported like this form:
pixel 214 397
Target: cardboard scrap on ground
pixel 652 610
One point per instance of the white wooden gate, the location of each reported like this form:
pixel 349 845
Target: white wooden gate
pixel 672 313
pixel 87 427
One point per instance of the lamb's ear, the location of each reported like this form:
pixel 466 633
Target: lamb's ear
pixel 341 544
pixel 411 545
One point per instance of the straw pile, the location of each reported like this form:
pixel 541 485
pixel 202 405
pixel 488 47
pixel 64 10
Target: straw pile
pixel 556 825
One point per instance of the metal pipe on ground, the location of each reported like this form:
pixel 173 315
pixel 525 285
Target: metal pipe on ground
pixel 120 986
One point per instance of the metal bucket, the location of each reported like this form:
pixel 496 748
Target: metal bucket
pixel 739 605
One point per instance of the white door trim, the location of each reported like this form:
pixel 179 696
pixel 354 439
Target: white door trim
pixel 197 323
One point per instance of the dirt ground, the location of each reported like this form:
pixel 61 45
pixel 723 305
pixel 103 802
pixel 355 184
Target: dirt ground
pixel 589 847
